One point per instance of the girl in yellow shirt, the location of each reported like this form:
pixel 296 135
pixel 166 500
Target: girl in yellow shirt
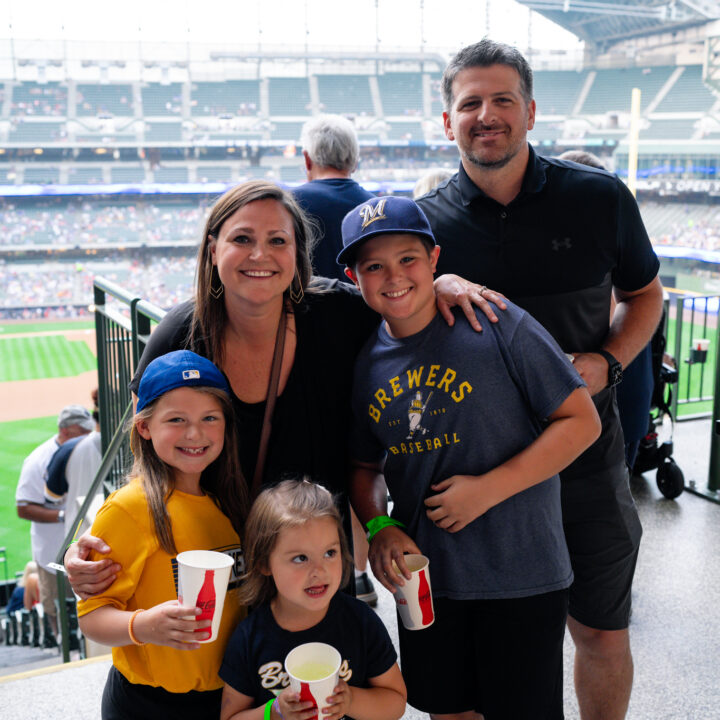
pixel 185 492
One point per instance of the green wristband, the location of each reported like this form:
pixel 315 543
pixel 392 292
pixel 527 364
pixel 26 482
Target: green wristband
pixel 375 525
pixel 268 709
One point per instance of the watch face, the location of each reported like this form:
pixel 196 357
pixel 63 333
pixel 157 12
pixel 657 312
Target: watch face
pixel 615 375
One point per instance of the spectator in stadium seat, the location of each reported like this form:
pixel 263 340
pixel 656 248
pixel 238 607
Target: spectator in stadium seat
pixel 72 471
pixel 558 240
pixel 254 288
pixel 47 522
pixel 634 393
pixel 429 180
pixel 331 152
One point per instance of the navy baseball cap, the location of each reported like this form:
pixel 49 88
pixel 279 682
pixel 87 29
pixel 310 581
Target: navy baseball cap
pixel 181 368
pixel 381 216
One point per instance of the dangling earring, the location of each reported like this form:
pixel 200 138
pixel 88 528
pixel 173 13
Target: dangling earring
pixel 216 292
pixel 297 295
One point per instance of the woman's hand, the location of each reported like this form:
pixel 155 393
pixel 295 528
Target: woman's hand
pixel 338 704
pixel 389 545
pixel 452 290
pixel 293 708
pixel 171 624
pixel 89 578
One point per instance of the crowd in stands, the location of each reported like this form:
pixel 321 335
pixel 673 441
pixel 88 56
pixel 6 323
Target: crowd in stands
pixel 699 233
pixel 70 223
pixel 164 281
pixel 51 286
pixel 40 100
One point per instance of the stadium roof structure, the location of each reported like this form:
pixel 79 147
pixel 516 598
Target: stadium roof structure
pixel 603 22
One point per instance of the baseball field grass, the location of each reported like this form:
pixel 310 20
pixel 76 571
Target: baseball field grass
pixel 43 356
pixel 8 328
pixel 19 438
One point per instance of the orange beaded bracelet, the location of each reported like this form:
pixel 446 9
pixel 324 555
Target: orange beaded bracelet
pixel 130 627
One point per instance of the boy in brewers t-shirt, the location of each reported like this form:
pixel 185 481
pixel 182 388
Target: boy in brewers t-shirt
pixel 469 430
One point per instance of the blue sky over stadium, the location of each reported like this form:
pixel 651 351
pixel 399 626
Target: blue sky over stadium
pixel 391 24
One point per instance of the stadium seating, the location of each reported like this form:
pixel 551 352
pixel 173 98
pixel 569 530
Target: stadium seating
pixel 668 130
pixel 410 131
pixel 104 100
pixel 688 94
pixel 161 100
pixel 611 90
pixel 214 173
pixel 41 175
pixel 401 93
pixel 43 100
pixel 289 96
pixel 345 94
pixel 287 131
pixel 556 92
pixel 37 132
pixel 232 97
pixel 171 174
pixel 127 173
pixel 546 131
pixel 163 131
pixel 85 175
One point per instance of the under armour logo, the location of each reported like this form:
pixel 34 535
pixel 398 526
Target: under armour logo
pixel 563 243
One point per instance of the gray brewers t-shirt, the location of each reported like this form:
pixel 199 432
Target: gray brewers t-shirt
pixel 450 401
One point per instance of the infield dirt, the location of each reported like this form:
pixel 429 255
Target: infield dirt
pixel 27 399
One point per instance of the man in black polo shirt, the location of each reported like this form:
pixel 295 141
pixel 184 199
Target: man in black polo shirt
pixel 558 238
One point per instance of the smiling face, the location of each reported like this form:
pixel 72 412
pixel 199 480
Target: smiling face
pixel 489 119
pixel 255 253
pixel 187 431
pixel 306 565
pixel 395 275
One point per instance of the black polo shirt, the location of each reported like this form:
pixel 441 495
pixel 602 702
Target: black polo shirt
pixel 557 250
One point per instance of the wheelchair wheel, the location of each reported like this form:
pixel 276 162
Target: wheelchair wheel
pixel 670 480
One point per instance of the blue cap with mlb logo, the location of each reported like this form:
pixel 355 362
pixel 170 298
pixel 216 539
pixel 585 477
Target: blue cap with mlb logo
pixel 181 368
pixel 381 216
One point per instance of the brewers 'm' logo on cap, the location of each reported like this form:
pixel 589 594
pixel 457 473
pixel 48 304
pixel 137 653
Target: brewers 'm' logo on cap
pixel 191 374
pixel 370 214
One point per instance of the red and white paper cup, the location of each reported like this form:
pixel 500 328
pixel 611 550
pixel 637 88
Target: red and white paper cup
pixel 414 598
pixel 203 577
pixel 313 669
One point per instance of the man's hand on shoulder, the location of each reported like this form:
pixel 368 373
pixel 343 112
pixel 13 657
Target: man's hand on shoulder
pixel 452 290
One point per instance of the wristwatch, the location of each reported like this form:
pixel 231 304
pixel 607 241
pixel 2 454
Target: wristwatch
pixel 61 516
pixel 615 369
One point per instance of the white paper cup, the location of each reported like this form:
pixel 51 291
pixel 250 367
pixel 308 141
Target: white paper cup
pixel 313 669
pixel 203 577
pixel 414 598
pixel 701 344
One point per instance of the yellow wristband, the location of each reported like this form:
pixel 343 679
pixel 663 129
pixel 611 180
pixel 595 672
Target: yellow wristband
pixel 130 627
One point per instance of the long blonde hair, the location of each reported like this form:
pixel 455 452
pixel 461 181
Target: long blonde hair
pixel 222 479
pixel 288 504
pixel 210 316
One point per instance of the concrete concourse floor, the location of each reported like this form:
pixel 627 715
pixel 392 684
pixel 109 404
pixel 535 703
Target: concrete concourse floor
pixel 675 630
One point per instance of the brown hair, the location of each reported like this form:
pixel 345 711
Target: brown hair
pixel 484 54
pixel 210 316
pixel 222 479
pixel 288 504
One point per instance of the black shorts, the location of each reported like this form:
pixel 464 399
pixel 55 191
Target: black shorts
pixel 123 700
pixel 503 658
pixel 603 531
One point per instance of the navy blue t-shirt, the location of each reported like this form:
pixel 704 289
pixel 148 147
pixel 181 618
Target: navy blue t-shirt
pixel 255 656
pixel 327 202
